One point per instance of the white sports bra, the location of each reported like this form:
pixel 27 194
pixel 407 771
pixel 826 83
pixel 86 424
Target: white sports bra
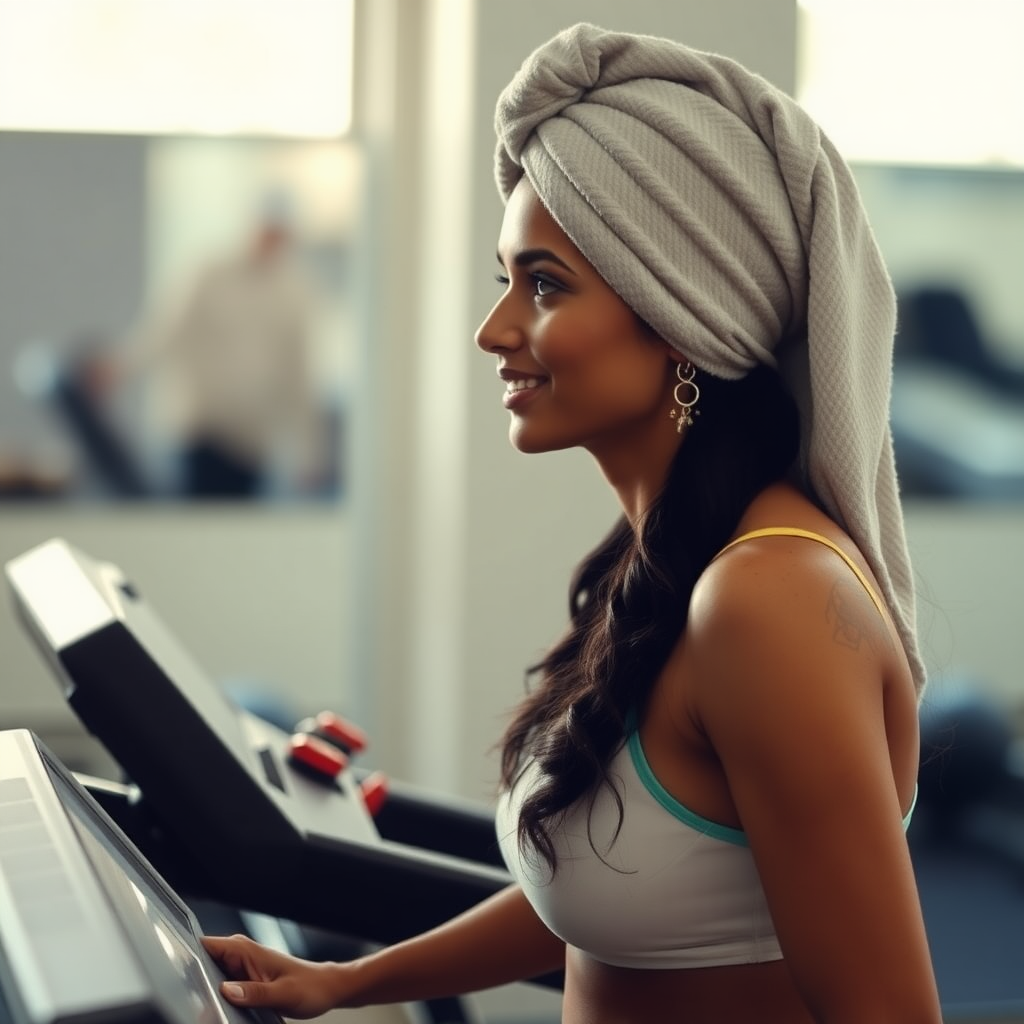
pixel 667 889
pixel 672 890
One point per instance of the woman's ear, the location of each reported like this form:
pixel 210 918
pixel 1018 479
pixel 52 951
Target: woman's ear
pixel 675 356
pixel 673 353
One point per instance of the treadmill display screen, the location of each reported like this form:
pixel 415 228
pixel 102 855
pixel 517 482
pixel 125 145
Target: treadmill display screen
pixel 152 910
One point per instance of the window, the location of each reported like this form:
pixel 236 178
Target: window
pixel 219 67
pixel 916 81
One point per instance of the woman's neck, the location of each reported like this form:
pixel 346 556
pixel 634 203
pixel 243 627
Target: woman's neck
pixel 637 474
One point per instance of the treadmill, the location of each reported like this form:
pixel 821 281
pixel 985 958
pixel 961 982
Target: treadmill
pixel 234 808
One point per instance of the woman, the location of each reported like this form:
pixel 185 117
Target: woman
pixel 705 798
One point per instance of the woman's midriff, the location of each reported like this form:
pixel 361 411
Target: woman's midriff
pixel 597 993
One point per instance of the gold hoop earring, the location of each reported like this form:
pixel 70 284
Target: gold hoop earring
pixel 686 410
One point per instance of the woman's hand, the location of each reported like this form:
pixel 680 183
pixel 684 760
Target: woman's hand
pixel 260 976
pixel 500 940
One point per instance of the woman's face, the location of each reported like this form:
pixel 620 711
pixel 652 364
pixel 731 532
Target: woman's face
pixel 580 368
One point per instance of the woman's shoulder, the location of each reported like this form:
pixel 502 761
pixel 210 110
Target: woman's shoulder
pixel 782 538
pixel 789 587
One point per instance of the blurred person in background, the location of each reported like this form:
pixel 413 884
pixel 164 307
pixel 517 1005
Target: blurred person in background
pixel 231 362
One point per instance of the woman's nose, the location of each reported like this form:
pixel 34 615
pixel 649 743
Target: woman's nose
pixel 498 332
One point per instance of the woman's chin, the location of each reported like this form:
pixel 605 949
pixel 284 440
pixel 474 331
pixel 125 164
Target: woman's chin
pixel 531 443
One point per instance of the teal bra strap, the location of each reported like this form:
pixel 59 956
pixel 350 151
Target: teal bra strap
pixel 694 820
pixel 679 810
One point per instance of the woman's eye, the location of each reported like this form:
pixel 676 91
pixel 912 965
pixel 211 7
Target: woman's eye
pixel 544 286
pixel 541 285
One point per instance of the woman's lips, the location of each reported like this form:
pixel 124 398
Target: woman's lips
pixel 519 391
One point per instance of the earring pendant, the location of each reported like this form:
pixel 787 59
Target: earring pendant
pixel 686 394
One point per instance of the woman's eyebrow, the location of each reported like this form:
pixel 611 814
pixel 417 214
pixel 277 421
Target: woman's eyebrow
pixel 531 256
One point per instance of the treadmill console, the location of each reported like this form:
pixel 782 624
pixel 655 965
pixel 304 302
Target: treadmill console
pixel 275 820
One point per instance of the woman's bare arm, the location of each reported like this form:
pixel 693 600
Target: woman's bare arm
pixel 498 941
pixel 796 712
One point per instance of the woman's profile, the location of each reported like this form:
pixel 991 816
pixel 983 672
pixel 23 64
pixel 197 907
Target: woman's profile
pixel 706 789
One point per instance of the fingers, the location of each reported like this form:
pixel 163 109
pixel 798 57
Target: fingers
pixel 249 994
pixel 257 976
pixel 288 995
pixel 235 956
pixel 239 957
pixel 233 992
pixel 215 945
pixel 228 951
pixel 260 976
pixel 222 942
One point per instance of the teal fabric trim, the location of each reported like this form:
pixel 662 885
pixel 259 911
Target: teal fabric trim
pixel 672 805
pixel 704 825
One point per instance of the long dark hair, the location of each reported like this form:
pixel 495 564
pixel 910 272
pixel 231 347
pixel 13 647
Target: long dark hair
pixel 629 597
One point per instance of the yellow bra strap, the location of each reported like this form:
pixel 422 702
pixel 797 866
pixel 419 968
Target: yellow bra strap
pixel 794 531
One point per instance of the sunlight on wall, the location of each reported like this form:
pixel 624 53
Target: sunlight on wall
pixel 916 81
pixel 256 67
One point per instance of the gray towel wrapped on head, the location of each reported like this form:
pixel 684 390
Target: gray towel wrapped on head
pixel 716 208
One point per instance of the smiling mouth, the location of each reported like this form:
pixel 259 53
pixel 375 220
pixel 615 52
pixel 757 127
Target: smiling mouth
pixel 525 384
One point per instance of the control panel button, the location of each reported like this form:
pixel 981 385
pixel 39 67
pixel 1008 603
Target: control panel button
pixel 337 730
pixel 374 789
pixel 315 756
